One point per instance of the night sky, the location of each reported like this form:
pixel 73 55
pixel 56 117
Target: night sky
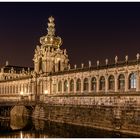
pixel 90 31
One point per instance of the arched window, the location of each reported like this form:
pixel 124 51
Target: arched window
pixel 13 88
pixel 121 81
pixel 86 84
pixel 78 85
pixel 111 82
pixel 54 88
pixel 10 89
pixel 65 86
pixel 59 86
pixel 71 85
pixel 16 88
pixel 93 84
pixel 5 90
pixel 27 89
pixel 102 83
pixel 20 88
pixel 132 81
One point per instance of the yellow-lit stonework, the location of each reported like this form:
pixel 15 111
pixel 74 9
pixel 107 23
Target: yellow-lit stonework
pixel 52 74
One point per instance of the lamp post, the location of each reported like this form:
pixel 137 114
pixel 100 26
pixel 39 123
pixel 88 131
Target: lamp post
pixel 21 95
pixel 45 93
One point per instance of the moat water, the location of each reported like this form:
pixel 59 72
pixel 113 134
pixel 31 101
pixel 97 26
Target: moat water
pixel 29 128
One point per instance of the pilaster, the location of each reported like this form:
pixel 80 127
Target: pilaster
pixel 116 82
pixel 74 85
pixel 82 87
pixel 89 81
pixel 137 81
pixel 106 83
pixel 62 86
pixel 97 89
pixel 68 85
pixel 126 81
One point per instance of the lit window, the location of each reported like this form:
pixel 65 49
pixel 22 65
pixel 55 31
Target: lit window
pixel 102 83
pixel 59 86
pixel 111 82
pixel 65 86
pixel 78 85
pixel 132 81
pixel 93 84
pixel 121 81
pixel 86 84
pixel 71 85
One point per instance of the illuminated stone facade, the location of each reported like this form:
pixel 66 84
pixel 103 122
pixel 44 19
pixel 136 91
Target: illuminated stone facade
pixel 52 74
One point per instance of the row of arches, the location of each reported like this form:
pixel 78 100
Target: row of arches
pixel 102 83
pixel 15 89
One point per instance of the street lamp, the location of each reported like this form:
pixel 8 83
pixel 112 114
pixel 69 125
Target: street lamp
pixel 21 93
pixel 46 92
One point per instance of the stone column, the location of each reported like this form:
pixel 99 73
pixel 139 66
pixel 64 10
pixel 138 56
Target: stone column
pixel 74 85
pixel 137 81
pixel 12 89
pixel 50 86
pixel 18 88
pixel 22 87
pixel 56 86
pixel 41 87
pixel 45 85
pixel 33 88
pixel 0 89
pixel 89 81
pixel 97 88
pixel 28 87
pixel 4 89
pixel 38 87
pixel 8 89
pixel 62 86
pixel 82 88
pixel 126 82
pixel 106 83
pixel 116 82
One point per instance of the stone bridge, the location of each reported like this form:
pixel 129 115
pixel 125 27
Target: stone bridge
pixel 7 105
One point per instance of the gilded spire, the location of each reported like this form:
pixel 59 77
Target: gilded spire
pixel 51 26
pixel 50 39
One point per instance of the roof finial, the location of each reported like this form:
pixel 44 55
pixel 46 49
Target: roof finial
pixel 51 25
pixel 7 63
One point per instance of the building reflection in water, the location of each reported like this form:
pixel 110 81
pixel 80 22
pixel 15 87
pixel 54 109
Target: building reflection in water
pixel 31 128
pixel 21 135
pixel 18 122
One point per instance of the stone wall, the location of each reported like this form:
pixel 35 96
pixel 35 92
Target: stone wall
pixel 114 113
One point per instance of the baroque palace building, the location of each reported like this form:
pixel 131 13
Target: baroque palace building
pixel 52 74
